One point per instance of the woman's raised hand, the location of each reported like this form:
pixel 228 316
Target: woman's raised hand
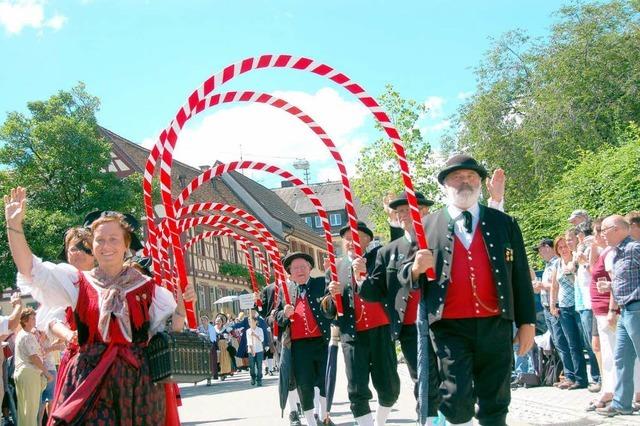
pixel 15 206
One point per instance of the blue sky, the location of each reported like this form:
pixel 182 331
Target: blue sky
pixel 142 58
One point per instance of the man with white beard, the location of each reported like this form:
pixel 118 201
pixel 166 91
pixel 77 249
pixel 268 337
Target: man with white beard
pixel 481 286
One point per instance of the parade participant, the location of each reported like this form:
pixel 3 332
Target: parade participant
pixel 364 334
pixel 268 297
pixel 482 286
pixel 221 331
pixel 117 310
pixel 382 284
pixel 306 330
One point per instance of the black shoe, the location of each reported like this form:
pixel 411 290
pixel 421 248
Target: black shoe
pixel 294 419
pixel 253 382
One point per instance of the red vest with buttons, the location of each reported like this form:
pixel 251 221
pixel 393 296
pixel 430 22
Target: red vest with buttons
pixel 304 325
pixel 472 291
pixel 411 310
pixel 369 314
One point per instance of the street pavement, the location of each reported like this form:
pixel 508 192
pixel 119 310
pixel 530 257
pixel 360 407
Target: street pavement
pixel 235 402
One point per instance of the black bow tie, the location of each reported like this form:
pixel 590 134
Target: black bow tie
pixel 467 221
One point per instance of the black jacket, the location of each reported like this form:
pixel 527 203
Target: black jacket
pixel 267 296
pixel 315 292
pixel 509 265
pixel 382 284
pixel 347 322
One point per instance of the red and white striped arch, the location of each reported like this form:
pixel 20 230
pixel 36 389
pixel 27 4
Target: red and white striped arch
pixel 209 174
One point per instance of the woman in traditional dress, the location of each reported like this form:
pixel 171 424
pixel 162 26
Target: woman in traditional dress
pixel 116 310
pixel 222 340
pixel 59 323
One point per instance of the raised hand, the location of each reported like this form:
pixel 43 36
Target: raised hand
pixel 496 185
pixel 15 207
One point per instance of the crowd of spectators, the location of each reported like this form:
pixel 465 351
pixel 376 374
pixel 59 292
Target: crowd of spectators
pixel 589 297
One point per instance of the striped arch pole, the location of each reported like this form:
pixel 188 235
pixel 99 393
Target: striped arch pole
pixel 224 230
pixel 196 208
pixel 266 240
pixel 165 152
pixel 264 98
pixel 220 169
pixel 257 231
pixel 243 246
pixel 289 62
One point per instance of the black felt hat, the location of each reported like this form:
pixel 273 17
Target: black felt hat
pixel 361 227
pixel 461 162
pixel 286 262
pixel 403 200
pixel 129 220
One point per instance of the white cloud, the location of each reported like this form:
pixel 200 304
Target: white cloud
pixel 18 14
pixel 263 133
pixel 56 22
pixel 434 106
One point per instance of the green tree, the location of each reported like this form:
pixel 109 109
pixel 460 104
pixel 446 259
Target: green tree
pixel 377 167
pixel 57 152
pixel 539 103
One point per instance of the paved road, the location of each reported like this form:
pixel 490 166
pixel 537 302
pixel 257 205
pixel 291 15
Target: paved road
pixel 234 402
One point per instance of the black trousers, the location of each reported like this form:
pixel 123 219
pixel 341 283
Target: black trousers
pixel 373 354
pixel 475 356
pixel 408 338
pixel 309 359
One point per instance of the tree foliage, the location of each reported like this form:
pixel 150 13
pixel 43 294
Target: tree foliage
pixel 377 167
pixel 557 114
pixel 539 103
pixel 603 182
pixel 57 152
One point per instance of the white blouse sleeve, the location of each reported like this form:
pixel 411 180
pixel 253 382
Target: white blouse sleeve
pixel 51 285
pixel 162 307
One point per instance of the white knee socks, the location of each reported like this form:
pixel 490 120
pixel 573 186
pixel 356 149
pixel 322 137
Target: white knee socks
pixel 293 399
pixel 366 420
pixel 310 419
pixel 381 415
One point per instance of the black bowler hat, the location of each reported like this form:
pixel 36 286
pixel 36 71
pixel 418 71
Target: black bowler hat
pixel 131 221
pixel 403 201
pixel 361 227
pixel 286 262
pixel 461 162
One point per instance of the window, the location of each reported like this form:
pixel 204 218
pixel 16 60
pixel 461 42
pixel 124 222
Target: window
pixel 309 221
pixel 212 298
pixel 318 222
pixel 335 219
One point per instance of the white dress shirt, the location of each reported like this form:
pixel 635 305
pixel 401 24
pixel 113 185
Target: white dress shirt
pixel 458 219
